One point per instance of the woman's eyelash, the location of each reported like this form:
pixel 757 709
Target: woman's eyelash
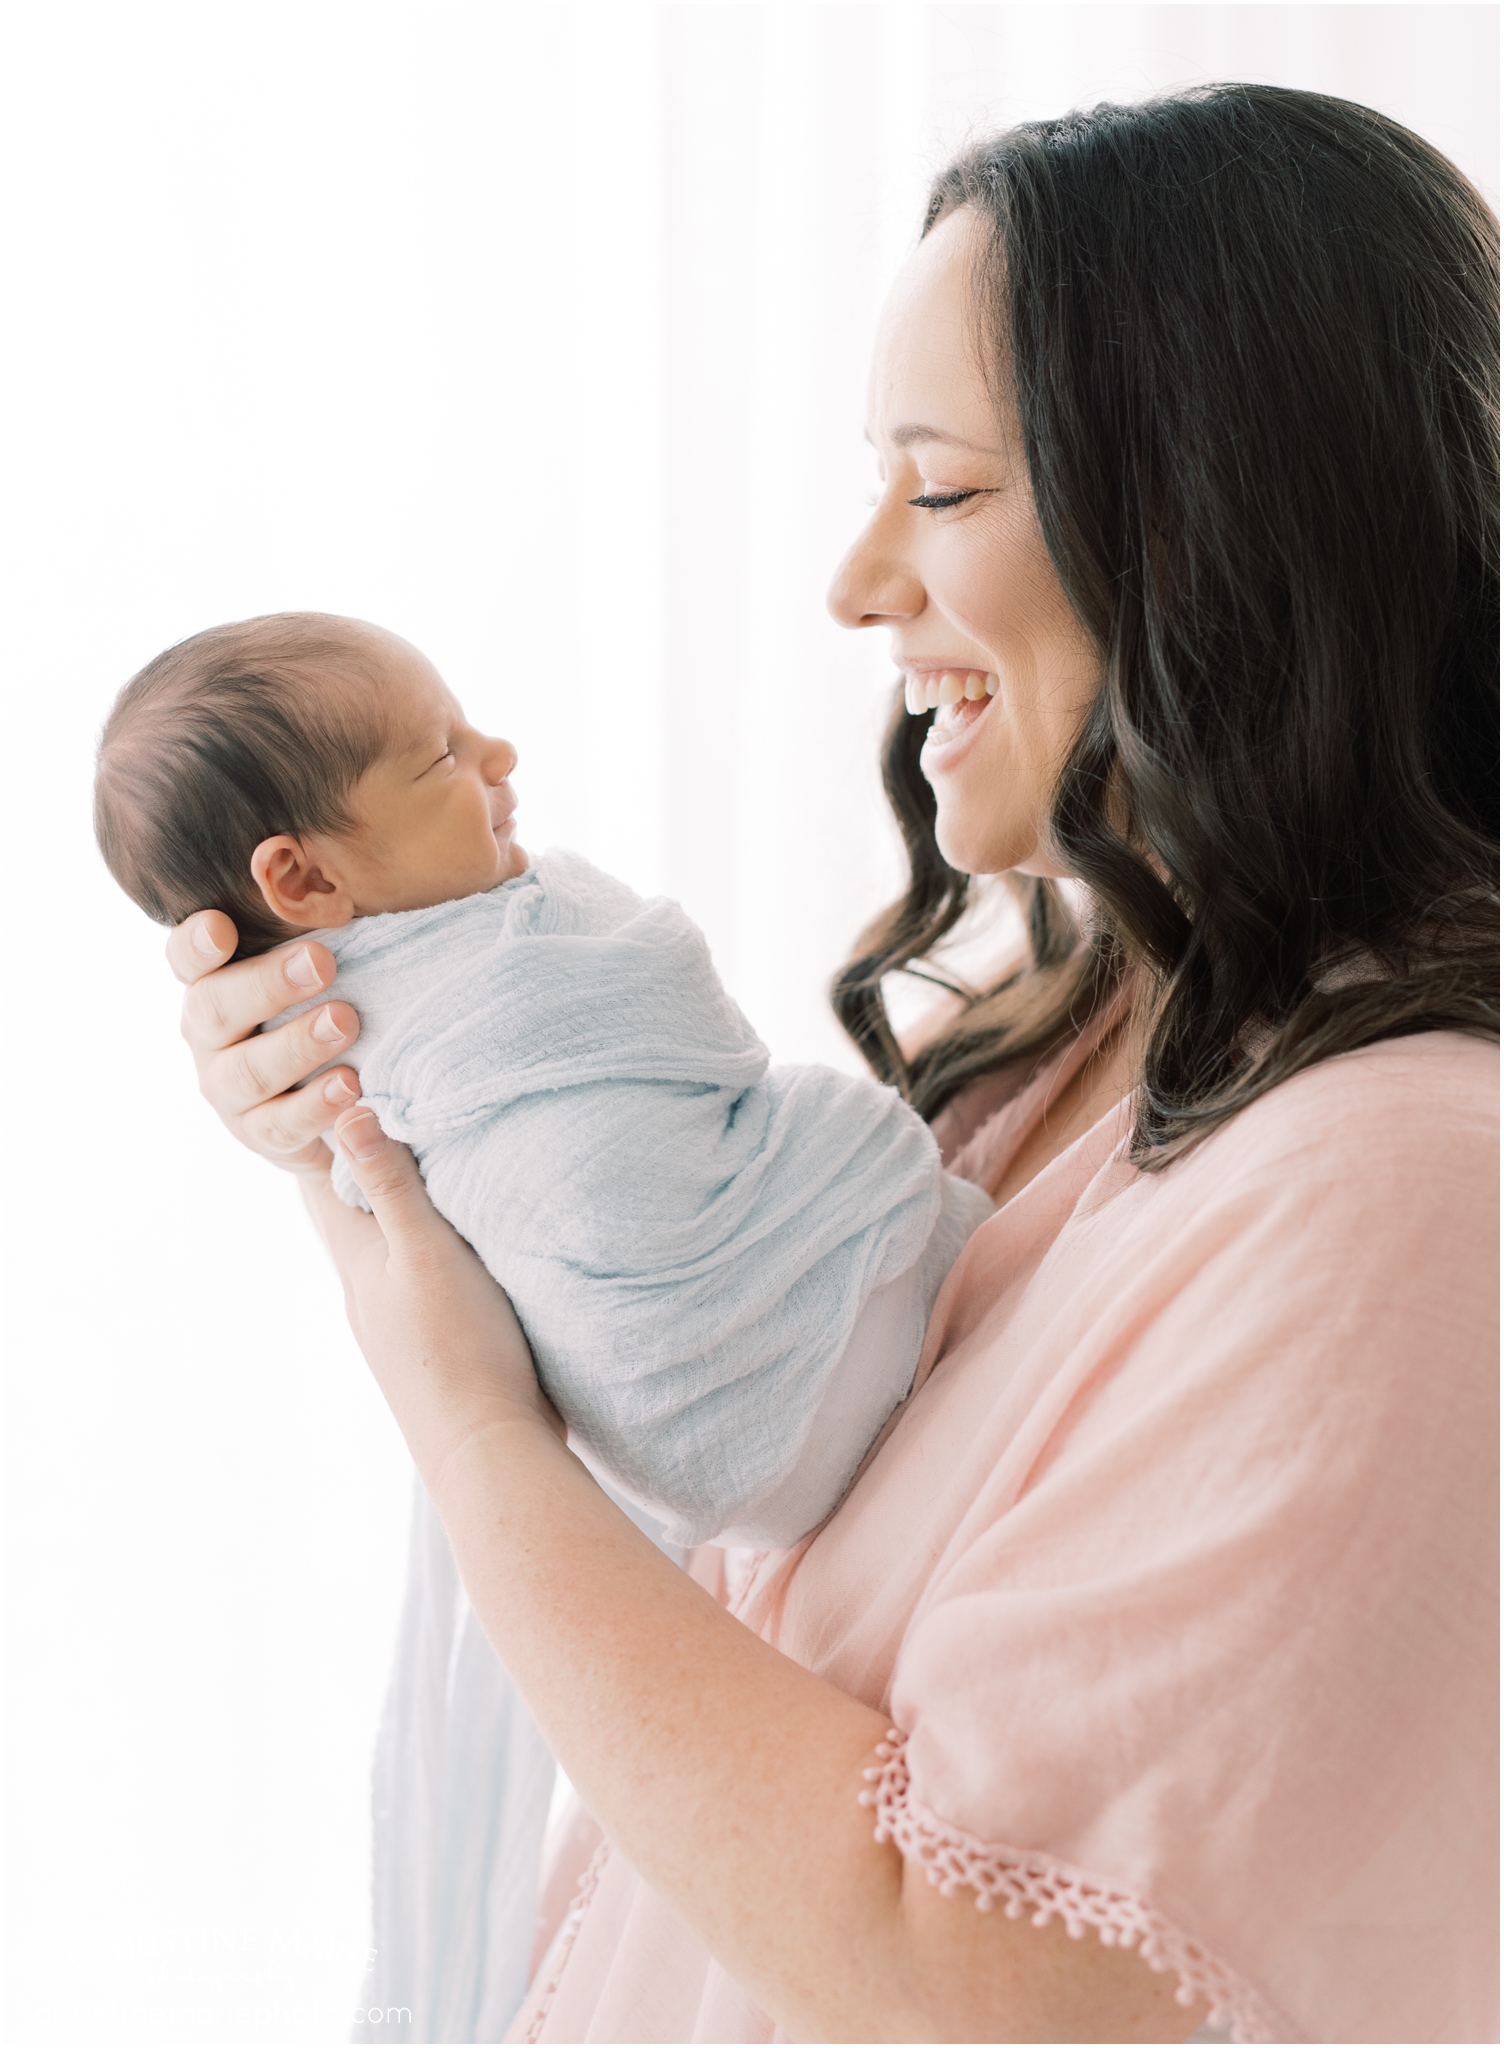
pixel 936 501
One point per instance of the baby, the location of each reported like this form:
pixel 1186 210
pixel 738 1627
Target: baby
pixel 724 1269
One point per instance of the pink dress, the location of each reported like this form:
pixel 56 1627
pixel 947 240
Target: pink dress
pixel 1175 1577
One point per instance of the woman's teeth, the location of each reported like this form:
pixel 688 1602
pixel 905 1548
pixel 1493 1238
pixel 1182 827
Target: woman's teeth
pixel 942 687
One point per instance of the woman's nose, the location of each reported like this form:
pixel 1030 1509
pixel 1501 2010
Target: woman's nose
pixel 870 588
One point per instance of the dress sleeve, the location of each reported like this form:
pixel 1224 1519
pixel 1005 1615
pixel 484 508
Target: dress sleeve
pixel 1216 1679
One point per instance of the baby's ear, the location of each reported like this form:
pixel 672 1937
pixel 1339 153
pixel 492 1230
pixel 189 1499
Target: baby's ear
pixel 297 888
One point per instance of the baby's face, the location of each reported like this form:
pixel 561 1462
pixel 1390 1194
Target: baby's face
pixel 434 814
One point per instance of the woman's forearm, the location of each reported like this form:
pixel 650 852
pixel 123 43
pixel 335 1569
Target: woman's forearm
pixel 730 1777
pixel 727 1773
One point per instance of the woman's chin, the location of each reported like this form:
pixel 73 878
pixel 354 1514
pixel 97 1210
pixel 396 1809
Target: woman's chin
pixel 982 852
pixel 975 841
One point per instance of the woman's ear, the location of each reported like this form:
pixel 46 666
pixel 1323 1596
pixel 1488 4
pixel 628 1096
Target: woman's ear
pixel 297 888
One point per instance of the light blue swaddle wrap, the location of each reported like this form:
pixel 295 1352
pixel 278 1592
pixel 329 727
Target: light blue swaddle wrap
pixel 688 1233
pixel 690 1237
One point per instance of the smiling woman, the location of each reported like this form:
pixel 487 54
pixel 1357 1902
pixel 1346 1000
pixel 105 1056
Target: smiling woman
pixel 1248 695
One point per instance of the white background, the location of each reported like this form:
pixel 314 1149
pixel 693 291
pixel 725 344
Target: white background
pixel 538 334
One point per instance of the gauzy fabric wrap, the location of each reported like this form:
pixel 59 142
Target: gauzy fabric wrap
pixel 687 1233
pixel 696 1243
pixel 460 1792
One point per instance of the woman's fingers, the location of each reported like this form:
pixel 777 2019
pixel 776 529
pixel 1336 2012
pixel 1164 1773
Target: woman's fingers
pixel 387 1175
pixel 255 1070
pixel 438 1332
pixel 223 1007
pixel 200 944
pixel 290 1128
pixel 251 1077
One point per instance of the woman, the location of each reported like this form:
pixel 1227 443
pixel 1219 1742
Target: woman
pixel 1161 1610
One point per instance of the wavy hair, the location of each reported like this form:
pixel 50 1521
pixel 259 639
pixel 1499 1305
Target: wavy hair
pixel 1251 337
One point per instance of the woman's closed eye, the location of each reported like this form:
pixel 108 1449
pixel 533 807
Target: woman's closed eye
pixel 940 501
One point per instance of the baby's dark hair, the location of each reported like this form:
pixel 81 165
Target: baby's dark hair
pixel 225 740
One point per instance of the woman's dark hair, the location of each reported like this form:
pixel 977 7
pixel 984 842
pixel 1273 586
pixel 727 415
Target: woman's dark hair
pixel 1251 337
pixel 239 734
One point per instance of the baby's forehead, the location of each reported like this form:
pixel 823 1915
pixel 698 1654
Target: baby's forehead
pixel 416 703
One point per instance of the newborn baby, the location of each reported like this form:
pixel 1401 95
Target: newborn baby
pixel 724 1269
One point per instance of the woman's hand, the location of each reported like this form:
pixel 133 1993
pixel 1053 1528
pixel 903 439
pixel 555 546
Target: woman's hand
pixel 438 1333
pixel 247 1076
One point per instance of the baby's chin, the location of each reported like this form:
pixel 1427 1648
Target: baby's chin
pixel 515 864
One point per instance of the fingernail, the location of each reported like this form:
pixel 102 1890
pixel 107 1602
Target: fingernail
pixel 337 1089
pixel 300 970
pixel 361 1135
pixel 325 1030
pixel 202 943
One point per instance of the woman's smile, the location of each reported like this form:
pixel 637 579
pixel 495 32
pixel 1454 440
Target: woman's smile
pixel 959 694
pixel 941 687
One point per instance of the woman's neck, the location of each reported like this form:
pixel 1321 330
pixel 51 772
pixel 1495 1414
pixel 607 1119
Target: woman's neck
pixel 1111 1072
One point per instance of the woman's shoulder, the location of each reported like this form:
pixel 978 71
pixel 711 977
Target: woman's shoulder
pixel 1414 1109
pixel 1365 1187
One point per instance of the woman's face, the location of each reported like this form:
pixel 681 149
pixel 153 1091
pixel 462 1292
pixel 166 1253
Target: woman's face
pixel 965 586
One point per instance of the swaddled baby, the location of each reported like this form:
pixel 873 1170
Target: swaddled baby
pixel 724 1269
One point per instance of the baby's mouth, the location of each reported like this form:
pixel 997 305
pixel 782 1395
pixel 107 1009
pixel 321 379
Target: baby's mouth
pixel 957 696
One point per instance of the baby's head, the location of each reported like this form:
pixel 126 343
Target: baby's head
pixel 296 771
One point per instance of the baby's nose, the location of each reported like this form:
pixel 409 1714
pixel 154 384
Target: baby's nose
pixel 501 759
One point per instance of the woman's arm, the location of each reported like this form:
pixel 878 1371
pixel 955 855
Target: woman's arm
pixel 251 1077
pixel 726 1772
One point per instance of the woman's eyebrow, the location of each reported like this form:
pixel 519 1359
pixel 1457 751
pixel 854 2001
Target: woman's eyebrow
pixel 912 435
